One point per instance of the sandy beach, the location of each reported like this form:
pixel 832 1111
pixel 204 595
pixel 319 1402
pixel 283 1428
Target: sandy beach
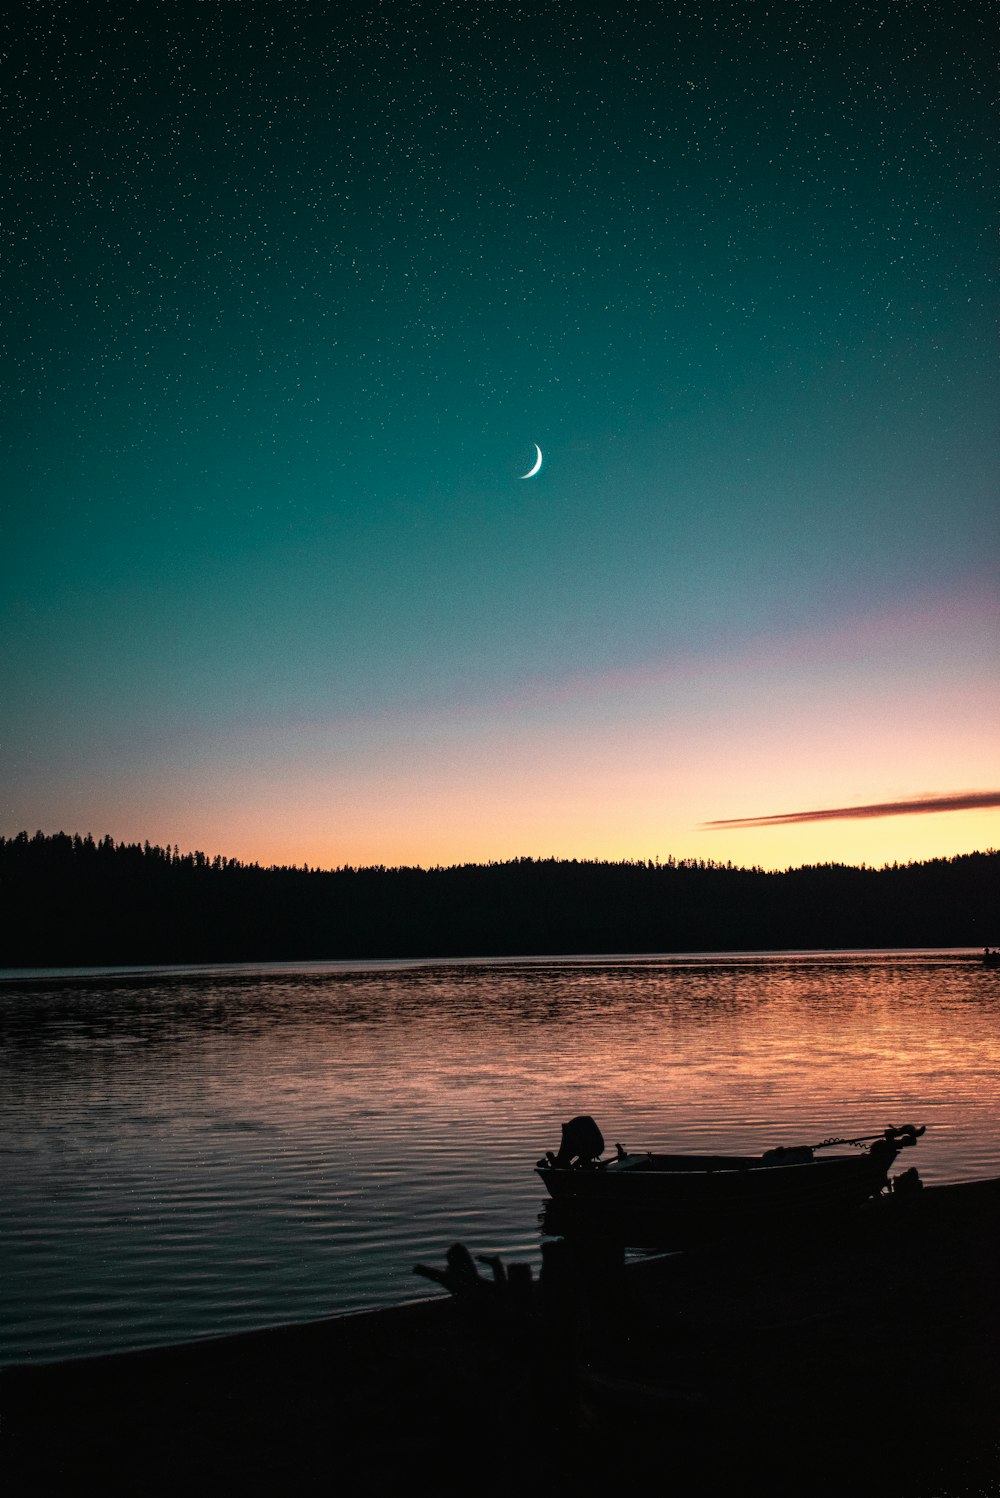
pixel 862 1360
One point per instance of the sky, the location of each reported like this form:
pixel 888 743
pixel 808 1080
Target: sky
pixel 292 292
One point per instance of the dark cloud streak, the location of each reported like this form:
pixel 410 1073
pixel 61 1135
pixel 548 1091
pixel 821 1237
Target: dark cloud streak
pixel 959 801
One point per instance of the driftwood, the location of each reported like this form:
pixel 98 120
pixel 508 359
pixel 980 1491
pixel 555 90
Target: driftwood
pixel 573 1275
pixel 461 1278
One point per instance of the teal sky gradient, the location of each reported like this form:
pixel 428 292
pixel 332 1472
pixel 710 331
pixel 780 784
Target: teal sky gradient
pixel 294 295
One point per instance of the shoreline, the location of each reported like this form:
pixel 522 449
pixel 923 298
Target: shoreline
pixel 52 972
pixel 863 1360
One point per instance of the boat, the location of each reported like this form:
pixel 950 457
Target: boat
pixel 796 1179
pixel 991 958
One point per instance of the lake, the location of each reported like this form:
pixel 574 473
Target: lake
pixel 190 1152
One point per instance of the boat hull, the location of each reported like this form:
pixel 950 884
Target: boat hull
pixel 718 1186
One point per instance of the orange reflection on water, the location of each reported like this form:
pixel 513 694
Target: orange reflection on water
pixel 194 1152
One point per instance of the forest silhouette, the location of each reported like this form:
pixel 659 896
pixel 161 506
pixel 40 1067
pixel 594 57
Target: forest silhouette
pixel 73 901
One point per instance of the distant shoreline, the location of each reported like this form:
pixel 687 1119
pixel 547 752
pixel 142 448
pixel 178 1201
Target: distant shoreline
pixel 71 902
pixel 366 964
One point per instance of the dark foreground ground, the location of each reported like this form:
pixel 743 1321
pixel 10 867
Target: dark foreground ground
pixel 863 1360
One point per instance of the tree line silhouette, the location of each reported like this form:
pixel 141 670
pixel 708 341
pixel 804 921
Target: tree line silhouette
pixel 73 901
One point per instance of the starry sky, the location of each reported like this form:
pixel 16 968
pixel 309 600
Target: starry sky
pixel 293 290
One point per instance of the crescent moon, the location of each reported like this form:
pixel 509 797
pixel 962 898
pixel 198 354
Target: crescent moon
pixel 538 463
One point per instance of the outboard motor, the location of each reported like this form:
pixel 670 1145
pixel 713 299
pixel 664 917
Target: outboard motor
pixel 582 1142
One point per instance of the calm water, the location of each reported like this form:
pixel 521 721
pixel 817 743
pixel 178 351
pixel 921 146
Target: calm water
pixel 192 1152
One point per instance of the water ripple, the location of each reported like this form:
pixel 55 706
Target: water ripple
pixel 190 1153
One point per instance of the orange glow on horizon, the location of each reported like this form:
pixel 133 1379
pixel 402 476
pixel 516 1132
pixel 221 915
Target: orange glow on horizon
pixel 624 769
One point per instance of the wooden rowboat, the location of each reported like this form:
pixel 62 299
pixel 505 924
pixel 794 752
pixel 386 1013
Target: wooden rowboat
pixel 782 1180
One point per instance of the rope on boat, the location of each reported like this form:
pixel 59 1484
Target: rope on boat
pixel 905 1134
